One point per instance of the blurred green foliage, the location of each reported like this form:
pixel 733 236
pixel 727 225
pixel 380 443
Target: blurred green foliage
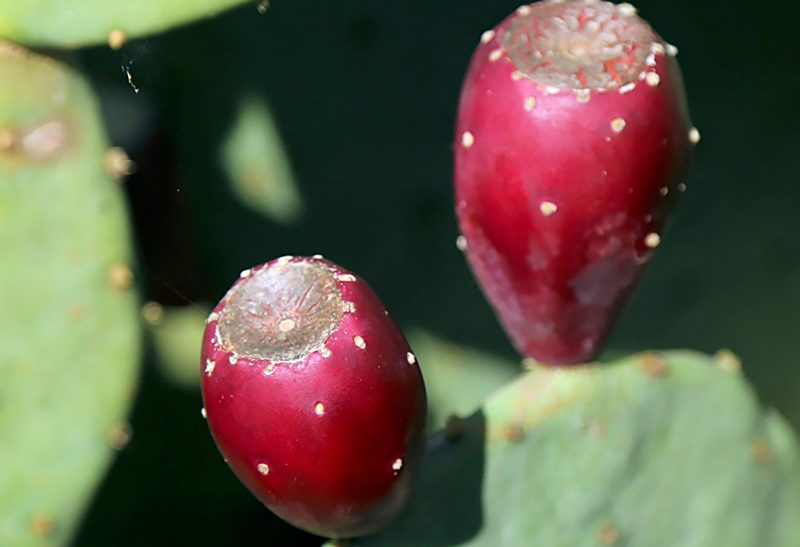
pixel 173 334
pixel 69 348
pixel 68 23
pixel 255 163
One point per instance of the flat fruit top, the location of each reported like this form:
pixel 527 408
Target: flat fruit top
pixel 281 312
pixel 579 45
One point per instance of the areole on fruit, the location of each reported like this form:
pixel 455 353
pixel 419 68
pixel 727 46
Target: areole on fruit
pixel 281 313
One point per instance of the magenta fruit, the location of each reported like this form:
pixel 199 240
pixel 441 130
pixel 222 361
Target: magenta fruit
pixel 573 141
pixel 313 396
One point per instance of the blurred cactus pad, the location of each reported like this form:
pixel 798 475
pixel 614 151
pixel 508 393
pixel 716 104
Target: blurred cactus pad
pixel 69 23
pixel 656 449
pixel 70 323
pixel 173 334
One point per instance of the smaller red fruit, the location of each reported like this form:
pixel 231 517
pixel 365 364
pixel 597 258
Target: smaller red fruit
pixel 313 396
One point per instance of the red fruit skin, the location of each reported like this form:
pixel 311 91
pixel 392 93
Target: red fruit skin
pixel 557 278
pixel 334 473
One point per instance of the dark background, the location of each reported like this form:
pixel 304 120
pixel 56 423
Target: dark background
pixel 365 93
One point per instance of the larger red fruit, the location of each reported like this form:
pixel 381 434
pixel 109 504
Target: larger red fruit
pixel 573 140
pixel 313 396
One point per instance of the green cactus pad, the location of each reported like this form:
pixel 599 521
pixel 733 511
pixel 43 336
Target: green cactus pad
pixel 69 334
pixel 457 378
pixel 256 163
pixel 654 450
pixel 176 335
pixel 70 23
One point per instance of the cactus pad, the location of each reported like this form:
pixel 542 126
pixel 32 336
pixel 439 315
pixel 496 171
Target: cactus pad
pixel 174 333
pixel 657 449
pixel 257 165
pixel 457 378
pixel 66 23
pixel 69 328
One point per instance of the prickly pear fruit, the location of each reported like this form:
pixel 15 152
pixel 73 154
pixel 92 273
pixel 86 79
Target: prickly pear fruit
pixel 313 396
pixel 573 141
